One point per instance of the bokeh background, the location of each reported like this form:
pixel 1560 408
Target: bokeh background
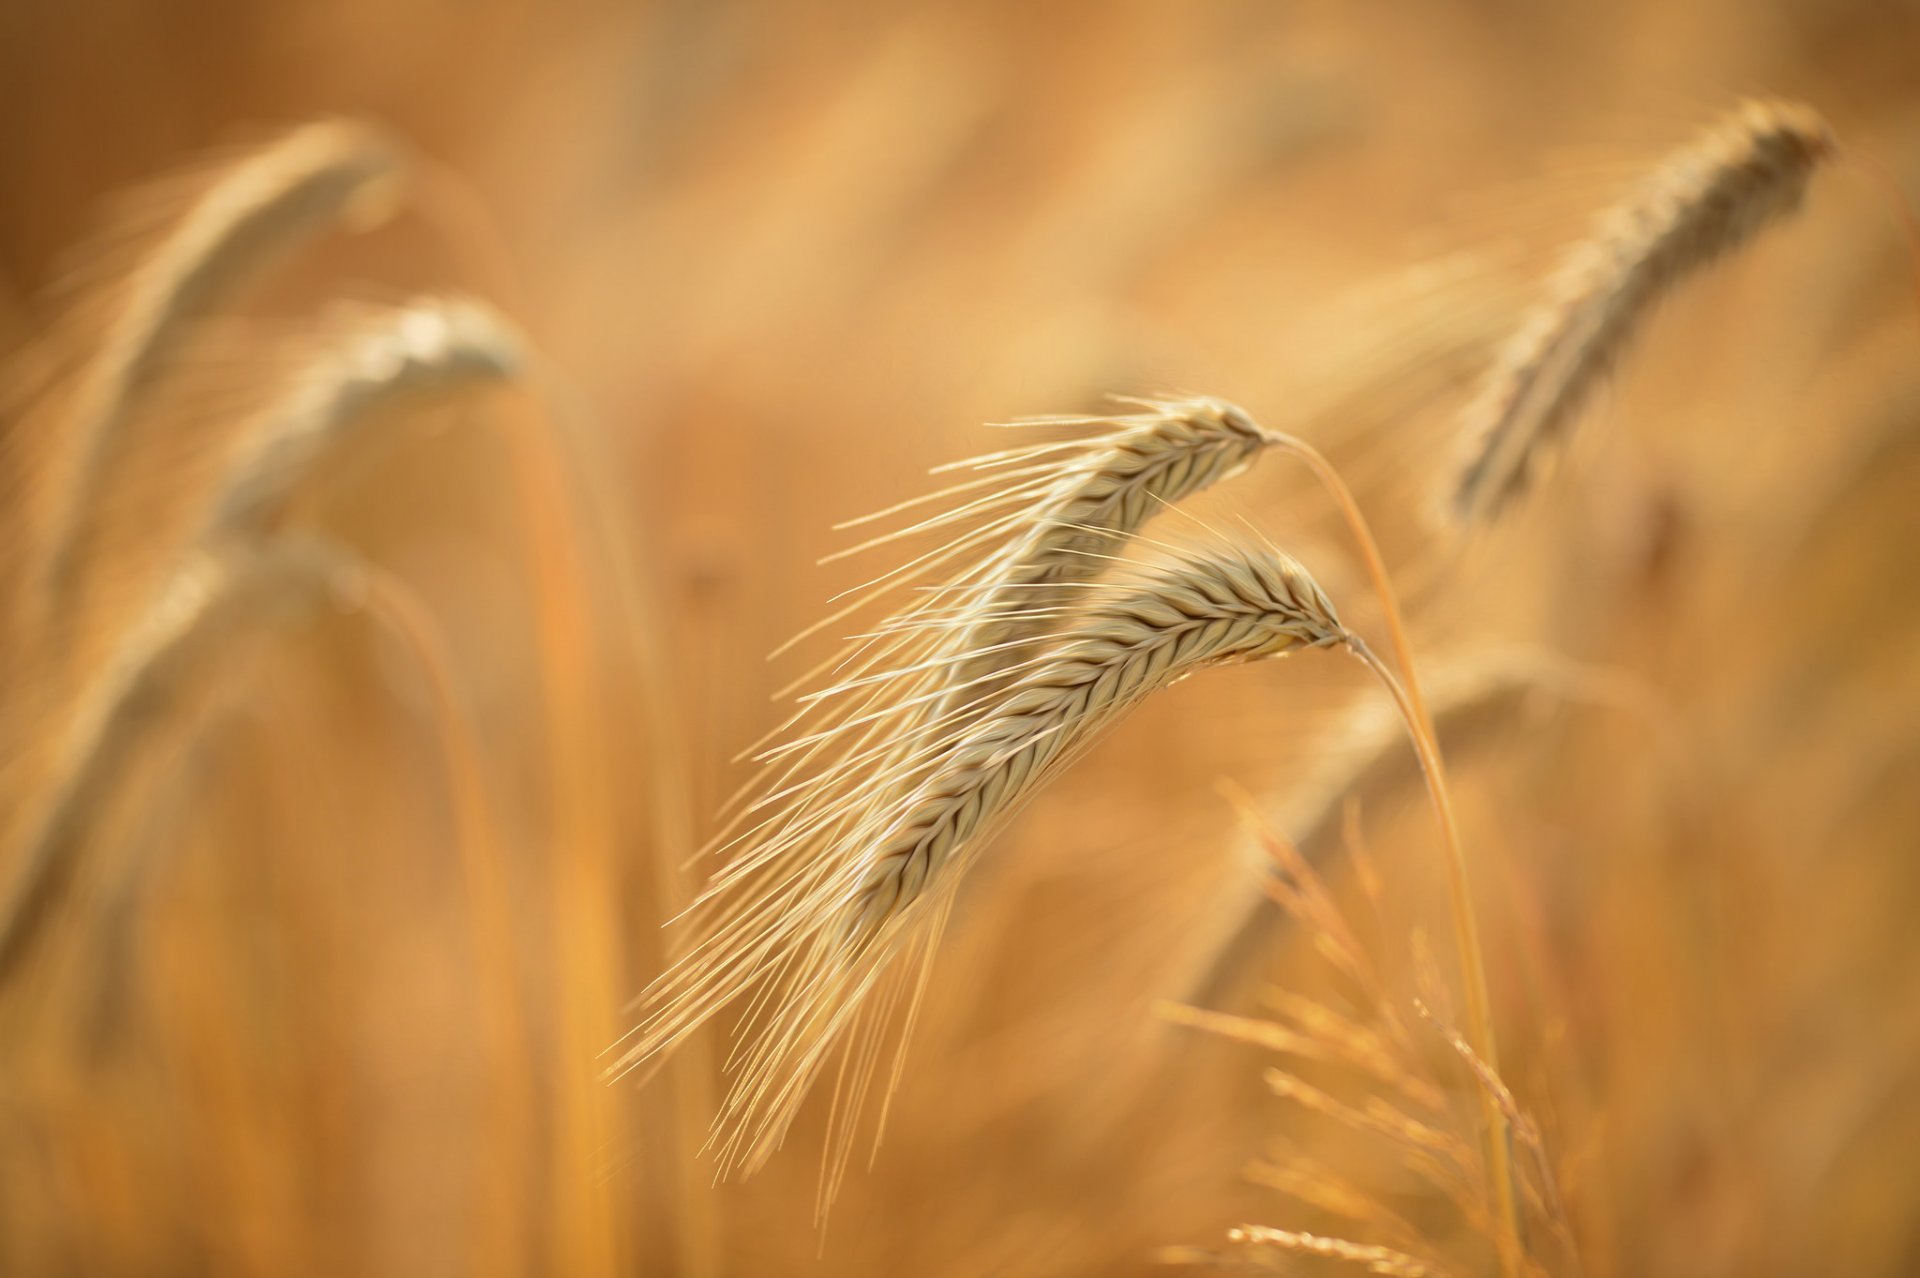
pixel 780 259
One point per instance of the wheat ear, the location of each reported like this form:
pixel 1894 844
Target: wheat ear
pixel 390 359
pixel 1373 1259
pixel 1367 762
pixel 819 915
pixel 259 209
pixel 1035 522
pixel 1749 170
pixel 185 642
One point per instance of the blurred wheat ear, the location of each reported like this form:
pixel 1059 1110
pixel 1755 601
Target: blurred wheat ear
pixel 250 215
pixel 219 604
pixel 1410 1120
pixel 1705 201
pixel 385 360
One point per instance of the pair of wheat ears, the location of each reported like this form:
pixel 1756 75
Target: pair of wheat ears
pixel 932 728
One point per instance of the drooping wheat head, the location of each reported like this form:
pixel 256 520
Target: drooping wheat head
pixel 816 921
pixel 388 359
pixel 1035 523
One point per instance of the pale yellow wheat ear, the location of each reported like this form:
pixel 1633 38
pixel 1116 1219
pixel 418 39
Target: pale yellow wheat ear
pixel 220 603
pixel 1747 171
pixel 815 925
pixel 258 209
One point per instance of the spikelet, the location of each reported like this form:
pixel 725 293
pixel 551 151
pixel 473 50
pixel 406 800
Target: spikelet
pixel 258 209
pixel 1746 172
pixel 825 906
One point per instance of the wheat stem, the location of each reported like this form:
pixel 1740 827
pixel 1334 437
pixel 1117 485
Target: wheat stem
pixel 1473 973
pixel 1413 706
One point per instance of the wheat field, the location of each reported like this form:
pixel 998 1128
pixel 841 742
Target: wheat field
pixel 1345 678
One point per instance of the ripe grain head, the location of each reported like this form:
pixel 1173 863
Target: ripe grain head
pixel 816 922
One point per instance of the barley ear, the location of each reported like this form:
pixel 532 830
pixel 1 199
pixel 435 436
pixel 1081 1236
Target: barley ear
pixel 829 913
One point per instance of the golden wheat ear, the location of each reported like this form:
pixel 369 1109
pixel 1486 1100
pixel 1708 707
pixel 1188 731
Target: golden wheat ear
pixel 256 211
pixel 1367 766
pixel 816 936
pixel 221 604
pixel 1367 762
pixel 1748 171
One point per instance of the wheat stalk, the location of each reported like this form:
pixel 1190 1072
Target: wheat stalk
pixel 259 209
pixel 817 915
pixel 1749 170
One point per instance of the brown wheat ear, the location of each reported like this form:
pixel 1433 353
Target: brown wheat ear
pixel 816 922
pixel 1749 170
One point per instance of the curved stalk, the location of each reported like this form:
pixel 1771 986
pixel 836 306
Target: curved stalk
pixel 1413 708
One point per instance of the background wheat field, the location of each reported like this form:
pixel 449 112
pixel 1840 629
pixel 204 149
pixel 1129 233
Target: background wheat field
pixel 345 885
